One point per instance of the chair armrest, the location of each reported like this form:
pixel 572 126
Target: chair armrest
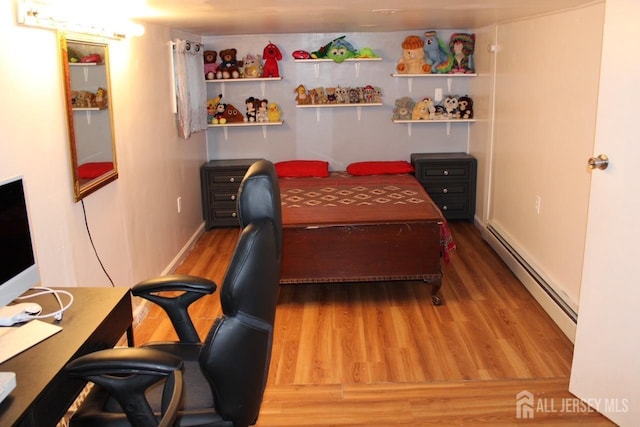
pixel 192 288
pixel 126 373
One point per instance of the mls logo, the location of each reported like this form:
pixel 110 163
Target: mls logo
pixel 524 405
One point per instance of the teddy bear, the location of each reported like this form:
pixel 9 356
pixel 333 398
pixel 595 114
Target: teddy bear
pixel 271 55
pixel 331 95
pixel 462 46
pixel 465 107
pixel 354 98
pixel 210 65
pixel 403 109
pixel 342 94
pixel 229 67
pixel 424 109
pixel 437 53
pixel 412 61
pixel 251 105
pixel 252 67
pixel 274 113
pixel 321 98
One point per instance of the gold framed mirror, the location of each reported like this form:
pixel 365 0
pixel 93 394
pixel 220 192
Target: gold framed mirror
pixel 85 61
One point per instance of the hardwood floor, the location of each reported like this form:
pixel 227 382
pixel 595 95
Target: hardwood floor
pixel 381 354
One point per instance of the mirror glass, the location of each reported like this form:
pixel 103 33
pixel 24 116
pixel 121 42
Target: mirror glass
pixel 85 61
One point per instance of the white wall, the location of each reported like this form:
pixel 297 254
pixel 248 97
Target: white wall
pixel 133 221
pixel 547 71
pixel 335 135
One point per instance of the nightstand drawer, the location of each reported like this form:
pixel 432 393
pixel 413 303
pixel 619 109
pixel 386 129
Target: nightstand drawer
pixel 453 207
pixel 226 177
pixel 426 172
pixel 437 188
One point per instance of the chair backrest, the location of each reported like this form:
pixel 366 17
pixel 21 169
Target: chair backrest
pixel 236 354
pixel 259 197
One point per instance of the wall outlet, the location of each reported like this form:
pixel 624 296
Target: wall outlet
pixel 179 204
pixel 538 204
pixel 438 95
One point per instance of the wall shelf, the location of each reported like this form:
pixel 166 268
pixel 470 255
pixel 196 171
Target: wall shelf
pixel 226 126
pixel 434 121
pixel 317 62
pixel 262 80
pixel 448 76
pixel 355 104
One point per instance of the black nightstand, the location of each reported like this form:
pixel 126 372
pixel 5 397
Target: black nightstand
pixel 450 180
pixel 220 180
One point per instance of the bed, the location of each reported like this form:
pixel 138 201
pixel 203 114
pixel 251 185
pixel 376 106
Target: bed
pixel 345 228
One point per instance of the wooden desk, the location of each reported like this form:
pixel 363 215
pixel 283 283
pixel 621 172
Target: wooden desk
pixel 98 318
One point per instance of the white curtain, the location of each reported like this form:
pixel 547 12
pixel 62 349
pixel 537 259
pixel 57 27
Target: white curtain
pixel 191 90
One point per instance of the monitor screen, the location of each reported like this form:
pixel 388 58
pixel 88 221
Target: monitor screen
pixel 18 269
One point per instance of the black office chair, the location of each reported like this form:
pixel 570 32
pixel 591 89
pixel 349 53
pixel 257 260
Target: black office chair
pixel 225 376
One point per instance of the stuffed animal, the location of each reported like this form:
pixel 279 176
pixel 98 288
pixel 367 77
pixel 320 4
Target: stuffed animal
pixel 412 61
pixel 342 95
pixel 252 66
pixel 218 114
pixel 332 98
pixel 366 52
pixel 232 114
pixel 424 109
pixel 210 65
pixel 354 98
pixel 437 53
pixel 465 107
pixel 321 98
pixel 229 67
pixel 302 98
pixel 462 46
pixel 274 113
pixel 101 98
pixel 340 49
pixel 369 93
pixel 263 111
pixel 271 55
pixel 450 104
pixel 251 105
pixel 403 109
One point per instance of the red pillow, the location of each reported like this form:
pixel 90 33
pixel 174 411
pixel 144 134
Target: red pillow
pixel 94 169
pixel 300 168
pixel 380 168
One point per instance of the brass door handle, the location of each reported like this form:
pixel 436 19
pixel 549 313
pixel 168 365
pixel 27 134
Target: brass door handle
pixel 601 162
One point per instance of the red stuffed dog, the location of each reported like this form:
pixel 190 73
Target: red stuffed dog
pixel 271 56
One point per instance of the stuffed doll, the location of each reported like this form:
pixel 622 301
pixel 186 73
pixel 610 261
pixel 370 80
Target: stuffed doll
pixel 252 66
pixel 437 53
pixel 462 46
pixel 218 114
pixel 274 113
pixel 252 114
pixel 403 109
pixel 263 111
pixel 271 55
pixel 412 61
pixel 210 65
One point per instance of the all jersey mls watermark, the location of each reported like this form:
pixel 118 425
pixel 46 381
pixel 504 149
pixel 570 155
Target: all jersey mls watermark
pixel 527 405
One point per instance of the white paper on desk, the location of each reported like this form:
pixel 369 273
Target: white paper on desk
pixel 16 339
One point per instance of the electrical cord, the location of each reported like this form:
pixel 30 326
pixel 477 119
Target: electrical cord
pixel 41 290
pixel 86 223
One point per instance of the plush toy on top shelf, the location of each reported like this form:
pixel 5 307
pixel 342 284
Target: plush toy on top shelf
pixel 437 54
pixel 229 67
pixel 271 55
pixel 252 67
pixel 210 65
pixel 412 61
pixel 462 46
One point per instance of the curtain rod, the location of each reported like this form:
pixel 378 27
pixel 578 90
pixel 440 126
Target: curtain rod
pixel 197 46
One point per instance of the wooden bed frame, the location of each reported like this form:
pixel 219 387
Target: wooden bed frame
pixel 360 228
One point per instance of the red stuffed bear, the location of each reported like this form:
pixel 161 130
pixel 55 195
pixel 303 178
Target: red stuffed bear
pixel 271 56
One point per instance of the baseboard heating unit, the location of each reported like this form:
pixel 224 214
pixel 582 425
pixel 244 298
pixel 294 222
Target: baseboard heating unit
pixel 552 302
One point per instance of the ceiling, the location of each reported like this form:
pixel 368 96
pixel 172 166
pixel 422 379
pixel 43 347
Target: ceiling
pixel 213 17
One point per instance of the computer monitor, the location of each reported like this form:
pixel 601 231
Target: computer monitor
pixel 18 267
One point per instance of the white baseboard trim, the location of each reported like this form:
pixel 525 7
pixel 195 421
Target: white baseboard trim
pixel 557 314
pixel 141 308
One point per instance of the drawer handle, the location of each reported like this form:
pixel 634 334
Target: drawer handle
pixel 234 215
pixel 232 179
pixel 445 172
pixel 445 191
pixel 444 208
pixel 233 197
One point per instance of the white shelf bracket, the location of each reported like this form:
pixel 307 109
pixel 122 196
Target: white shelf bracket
pixel 449 82
pixel 88 113
pixel 409 129
pixel 448 128
pixel 359 112
pixel 264 129
pixel 318 115
pixel 85 71
pixel 263 86
pixel 316 68
pixel 222 87
pixel 226 133
pixel 357 65
pixel 410 84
